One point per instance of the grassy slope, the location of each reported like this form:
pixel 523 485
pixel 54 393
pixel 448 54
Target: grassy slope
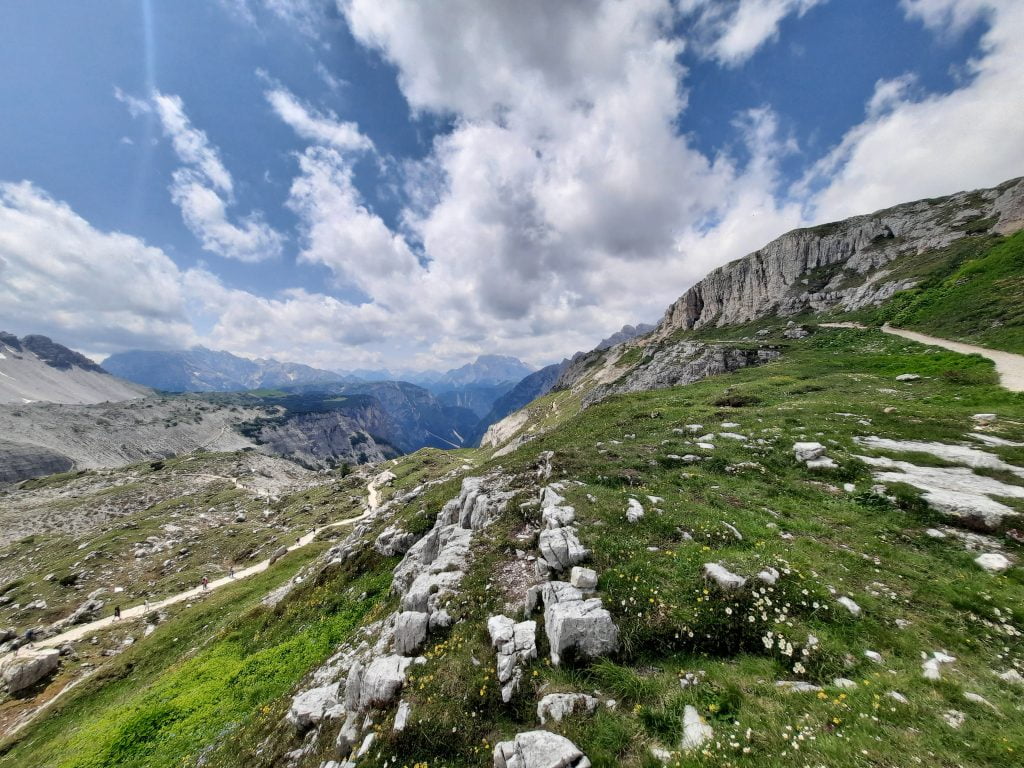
pixel 972 291
pixel 873 550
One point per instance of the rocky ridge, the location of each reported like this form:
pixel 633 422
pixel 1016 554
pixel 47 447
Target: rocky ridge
pixel 842 264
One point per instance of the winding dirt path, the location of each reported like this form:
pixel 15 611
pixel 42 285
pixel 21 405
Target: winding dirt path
pixel 1009 366
pixel 81 630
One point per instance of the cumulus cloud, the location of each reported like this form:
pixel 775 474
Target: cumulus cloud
pixel 104 292
pixel 732 31
pixel 203 189
pixel 563 203
pixel 340 232
pixel 100 290
pixel 931 144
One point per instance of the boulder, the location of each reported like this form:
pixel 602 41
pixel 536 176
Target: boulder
pixel 402 716
pixel 278 554
pixel 572 624
pixel 558 516
pixel 515 644
pixel 723 577
pixel 908 377
pixel 539 749
pixel 849 605
pixel 28 668
pixel 993 562
pixel 808 451
pixel 382 681
pixel 583 578
pixel 769 575
pixel 634 511
pixel 410 631
pixel 310 707
pixel 561 548
pixel 1012 676
pixel 556 706
pixel 931 667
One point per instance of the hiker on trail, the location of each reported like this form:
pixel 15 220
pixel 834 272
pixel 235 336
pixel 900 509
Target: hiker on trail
pixel 29 636
pixel 206 583
pixel 117 612
pixel 231 571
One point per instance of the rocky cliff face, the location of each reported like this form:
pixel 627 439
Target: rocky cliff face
pixel 842 264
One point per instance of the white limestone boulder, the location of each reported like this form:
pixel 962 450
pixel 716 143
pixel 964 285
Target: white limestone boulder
pixel 539 749
pixel 557 706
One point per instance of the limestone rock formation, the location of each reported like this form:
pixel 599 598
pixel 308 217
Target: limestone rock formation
pixel 539 749
pixel 576 625
pixel 28 668
pixel 841 264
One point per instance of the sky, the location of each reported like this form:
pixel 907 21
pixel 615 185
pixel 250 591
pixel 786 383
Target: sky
pixel 405 184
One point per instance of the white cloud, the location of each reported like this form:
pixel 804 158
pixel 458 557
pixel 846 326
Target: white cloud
pixel 947 16
pixel 554 210
pixel 203 189
pixel 191 144
pixel 107 292
pixel 102 290
pixel 306 16
pixel 732 31
pixel 322 128
pixel 939 143
pixel 340 232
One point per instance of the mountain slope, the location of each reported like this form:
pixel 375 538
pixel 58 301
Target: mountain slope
pixel 768 545
pixel 206 370
pixel 37 369
pixel 843 265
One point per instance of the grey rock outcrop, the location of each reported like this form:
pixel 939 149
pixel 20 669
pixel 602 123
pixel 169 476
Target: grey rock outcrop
pixel 381 681
pixel 410 631
pixel 577 626
pixel 515 644
pixel 841 264
pixel 539 749
pixel 557 706
pixel 311 706
pixel 28 668
pixel 561 549
pixel 695 731
pixel 724 578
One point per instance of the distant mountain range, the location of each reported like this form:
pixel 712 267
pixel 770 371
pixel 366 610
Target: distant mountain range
pixel 35 368
pixel 206 370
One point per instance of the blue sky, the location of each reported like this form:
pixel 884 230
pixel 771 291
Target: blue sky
pixel 386 182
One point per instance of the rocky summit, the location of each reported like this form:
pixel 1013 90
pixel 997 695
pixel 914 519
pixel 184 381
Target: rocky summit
pixel 781 528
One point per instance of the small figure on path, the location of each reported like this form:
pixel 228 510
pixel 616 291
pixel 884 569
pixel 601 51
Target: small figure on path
pixel 231 571
pixel 206 583
pixel 117 612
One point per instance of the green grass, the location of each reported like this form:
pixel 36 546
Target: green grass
pixel 194 682
pixel 971 291
pixel 222 692
pixel 672 623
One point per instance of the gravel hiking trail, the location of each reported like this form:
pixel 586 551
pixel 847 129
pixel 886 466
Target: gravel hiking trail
pixel 81 630
pixel 1009 366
